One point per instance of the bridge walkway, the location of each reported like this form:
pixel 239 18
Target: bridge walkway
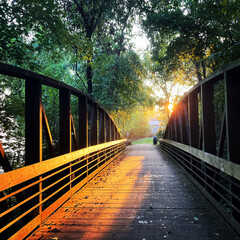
pixel 141 195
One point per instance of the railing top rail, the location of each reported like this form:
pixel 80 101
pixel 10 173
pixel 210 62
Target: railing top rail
pixel 214 75
pixel 21 73
pixel 225 166
pixel 17 176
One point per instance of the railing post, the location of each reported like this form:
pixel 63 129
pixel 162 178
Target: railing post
pixel 185 126
pixel 94 125
pixel 101 126
pixel 177 126
pixel 33 132
pixel 232 103
pixel 108 129
pixel 33 122
pixel 193 119
pixel 171 129
pixel 65 141
pixel 83 122
pixel 208 131
pixel 208 118
pixel 116 133
pixel 112 130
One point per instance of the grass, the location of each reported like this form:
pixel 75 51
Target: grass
pixel 148 140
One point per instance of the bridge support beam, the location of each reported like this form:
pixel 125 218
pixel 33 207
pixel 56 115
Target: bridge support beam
pixel 193 119
pixel 208 118
pixel 94 125
pixel 232 86
pixel 33 122
pixel 108 129
pixel 83 122
pixel 101 126
pixel 232 103
pixel 65 133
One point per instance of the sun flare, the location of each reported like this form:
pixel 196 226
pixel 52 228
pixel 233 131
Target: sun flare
pixel 170 107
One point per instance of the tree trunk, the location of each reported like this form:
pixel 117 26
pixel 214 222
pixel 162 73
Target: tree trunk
pixel 89 77
pixel 199 76
pixel 89 73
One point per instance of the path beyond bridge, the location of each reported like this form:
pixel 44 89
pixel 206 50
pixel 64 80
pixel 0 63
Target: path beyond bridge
pixel 141 195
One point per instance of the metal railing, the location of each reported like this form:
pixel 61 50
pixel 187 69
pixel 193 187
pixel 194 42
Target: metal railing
pixel 203 137
pixel 30 194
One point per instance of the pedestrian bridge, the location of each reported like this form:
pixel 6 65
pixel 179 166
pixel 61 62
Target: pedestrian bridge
pixel 96 188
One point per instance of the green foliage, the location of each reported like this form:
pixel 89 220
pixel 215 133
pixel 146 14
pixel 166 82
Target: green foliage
pixel 205 33
pixel 80 43
pixel 133 122
pixel 12 117
pixel 118 84
pixel 28 27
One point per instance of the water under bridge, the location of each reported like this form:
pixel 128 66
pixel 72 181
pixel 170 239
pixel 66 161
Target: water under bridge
pixel 97 187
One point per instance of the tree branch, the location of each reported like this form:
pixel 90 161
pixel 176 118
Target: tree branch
pixel 83 14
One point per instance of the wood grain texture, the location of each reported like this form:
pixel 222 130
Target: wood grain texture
pixel 140 195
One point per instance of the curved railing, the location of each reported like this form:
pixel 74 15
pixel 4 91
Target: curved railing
pixel 30 194
pixel 203 136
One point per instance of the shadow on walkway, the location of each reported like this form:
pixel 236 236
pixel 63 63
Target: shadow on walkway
pixel 142 196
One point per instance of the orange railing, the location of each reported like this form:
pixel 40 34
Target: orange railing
pixel 32 193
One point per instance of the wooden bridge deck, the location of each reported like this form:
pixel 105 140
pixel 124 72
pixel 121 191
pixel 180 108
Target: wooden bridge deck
pixel 141 195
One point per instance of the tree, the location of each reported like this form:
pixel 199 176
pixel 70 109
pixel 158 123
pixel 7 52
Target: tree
pixel 204 33
pixel 28 27
pixel 95 21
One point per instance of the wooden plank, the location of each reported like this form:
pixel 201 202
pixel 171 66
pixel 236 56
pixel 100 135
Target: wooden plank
pixel 18 176
pixel 120 214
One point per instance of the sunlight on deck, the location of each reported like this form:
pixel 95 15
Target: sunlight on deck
pixel 94 210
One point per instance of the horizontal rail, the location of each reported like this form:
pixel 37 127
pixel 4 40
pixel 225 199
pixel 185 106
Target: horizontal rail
pixel 93 125
pixel 18 72
pixel 230 168
pixel 65 173
pixel 18 176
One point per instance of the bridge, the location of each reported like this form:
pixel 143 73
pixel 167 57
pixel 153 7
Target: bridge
pixel 94 187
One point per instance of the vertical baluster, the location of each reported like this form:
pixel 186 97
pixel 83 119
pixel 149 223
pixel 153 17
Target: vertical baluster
pixel 83 122
pixel 193 119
